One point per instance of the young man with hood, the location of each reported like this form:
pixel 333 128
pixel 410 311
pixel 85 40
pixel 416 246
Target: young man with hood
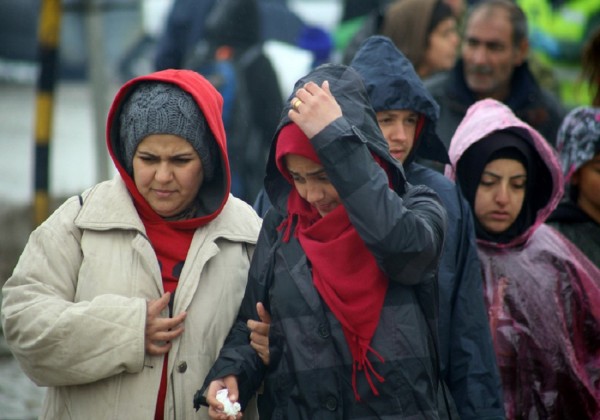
pixel 122 299
pixel 542 293
pixel 346 265
pixel 407 115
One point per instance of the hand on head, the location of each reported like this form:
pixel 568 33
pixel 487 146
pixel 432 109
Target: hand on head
pixel 318 108
pixel 161 331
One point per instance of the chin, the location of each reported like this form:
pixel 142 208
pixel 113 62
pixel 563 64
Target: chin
pixel 164 212
pixel 496 229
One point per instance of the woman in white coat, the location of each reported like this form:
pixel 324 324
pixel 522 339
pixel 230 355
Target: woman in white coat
pixel 122 299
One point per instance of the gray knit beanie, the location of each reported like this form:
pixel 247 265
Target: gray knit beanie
pixel 163 108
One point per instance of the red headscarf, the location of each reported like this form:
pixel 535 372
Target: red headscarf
pixel 344 271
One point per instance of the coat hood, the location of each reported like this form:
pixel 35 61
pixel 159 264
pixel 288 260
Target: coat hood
pixel 487 116
pixel 214 194
pixel 349 91
pixel 393 84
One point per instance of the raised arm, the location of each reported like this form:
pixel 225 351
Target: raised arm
pixel 404 232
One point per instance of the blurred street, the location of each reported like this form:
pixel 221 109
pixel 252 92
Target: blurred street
pixel 72 161
pixel 72 169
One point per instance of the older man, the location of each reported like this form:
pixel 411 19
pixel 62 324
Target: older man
pixel 493 64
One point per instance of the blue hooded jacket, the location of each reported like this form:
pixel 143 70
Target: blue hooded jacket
pixel 466 351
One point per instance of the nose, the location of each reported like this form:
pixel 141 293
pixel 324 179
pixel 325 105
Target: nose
pixel 314 193
pixel 502 195
pixel 479 55
pixel 163 173
pixel 398 133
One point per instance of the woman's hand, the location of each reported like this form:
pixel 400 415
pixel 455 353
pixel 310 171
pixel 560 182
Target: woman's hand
pixel 259 333
pixel 215 408
pixel 314 108
pixel 161 331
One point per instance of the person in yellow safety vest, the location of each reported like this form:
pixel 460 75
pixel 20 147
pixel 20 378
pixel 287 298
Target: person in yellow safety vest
pixel 558 29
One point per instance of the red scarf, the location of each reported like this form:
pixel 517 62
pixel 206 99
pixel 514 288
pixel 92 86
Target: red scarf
pixel 171 244
pixel 171 241
pixel 344 271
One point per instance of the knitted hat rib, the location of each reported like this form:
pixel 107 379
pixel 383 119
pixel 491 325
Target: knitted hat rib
pixel 163 108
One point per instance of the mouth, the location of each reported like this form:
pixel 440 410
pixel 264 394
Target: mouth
pixel 324 209
pixel 500 216
pixel 398 154
pixel 480 72
pixel 163 193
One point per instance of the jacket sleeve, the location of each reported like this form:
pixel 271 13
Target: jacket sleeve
pixel 56 341
pixel 236 356
pixel 404 233
pixel 471 372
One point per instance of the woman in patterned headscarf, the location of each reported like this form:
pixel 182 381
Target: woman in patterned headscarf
pixel 578 216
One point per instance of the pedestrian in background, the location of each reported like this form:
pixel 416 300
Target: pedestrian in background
pixel 541 292
pixel 578 215
pixel 493 64
pixel 426 33
pixel 123 297
pixel 229 52
pixel 407 114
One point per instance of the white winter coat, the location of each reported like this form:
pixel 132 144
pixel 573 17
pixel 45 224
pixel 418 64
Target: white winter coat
pixel 74 309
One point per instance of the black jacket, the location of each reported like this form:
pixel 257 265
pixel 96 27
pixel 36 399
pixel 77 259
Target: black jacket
pixel 467 354
pixel 309 375
pixel 579 228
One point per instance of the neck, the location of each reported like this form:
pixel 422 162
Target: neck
pixel 500 94
pixel 423 71
pixel 188 213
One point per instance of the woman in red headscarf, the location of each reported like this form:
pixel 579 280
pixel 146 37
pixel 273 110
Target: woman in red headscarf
pixel 346 265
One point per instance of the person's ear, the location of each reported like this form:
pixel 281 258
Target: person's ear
pixel 521 51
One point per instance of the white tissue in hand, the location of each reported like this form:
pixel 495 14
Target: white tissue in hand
pixel 229 408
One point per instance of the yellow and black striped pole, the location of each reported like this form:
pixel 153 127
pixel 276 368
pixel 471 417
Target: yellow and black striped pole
pixel 48 38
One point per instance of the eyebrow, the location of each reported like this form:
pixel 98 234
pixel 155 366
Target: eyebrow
pixel 492 174
pixel 182 154
pixel 315 173
pixel 488 44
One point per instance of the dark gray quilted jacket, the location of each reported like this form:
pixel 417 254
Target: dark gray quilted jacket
pixel 309 376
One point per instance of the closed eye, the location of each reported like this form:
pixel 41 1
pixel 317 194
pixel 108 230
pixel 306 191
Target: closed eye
pixel 181 160
pixel 148 158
